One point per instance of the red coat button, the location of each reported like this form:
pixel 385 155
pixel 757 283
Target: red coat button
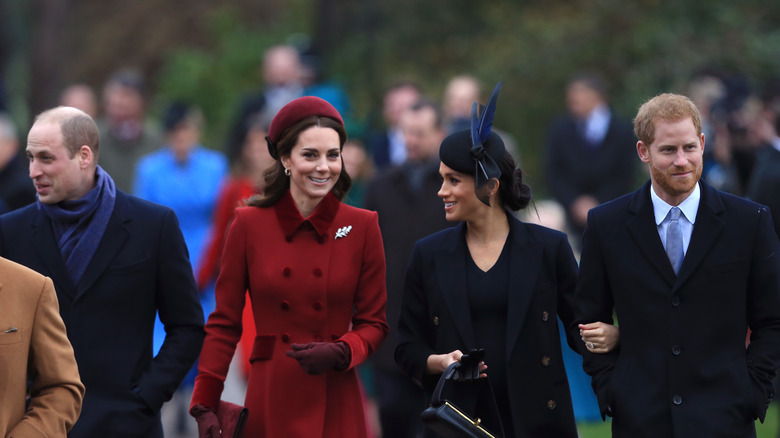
pixel 287 272
pixel 285 305
pixel 318 272
pixel 285 338
pixel 317 305
pixel 288 239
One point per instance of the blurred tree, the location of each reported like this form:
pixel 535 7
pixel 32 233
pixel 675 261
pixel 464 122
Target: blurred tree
pixel 199 49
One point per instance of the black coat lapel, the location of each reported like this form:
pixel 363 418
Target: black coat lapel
pixel 706 231
pixel 643 229
pixel 45 243
pixel 112 241
pixel 525 258
pixel 451 277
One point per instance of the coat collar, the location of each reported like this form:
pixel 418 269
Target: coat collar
pixel 707 228
pixel 290 218
pixel 525 255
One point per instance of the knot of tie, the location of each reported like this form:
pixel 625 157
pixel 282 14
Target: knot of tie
pixel 674 213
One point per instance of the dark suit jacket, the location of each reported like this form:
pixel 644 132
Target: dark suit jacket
pixel 682 369
pixel 140 267
pixel 379 147
pixel 765 182
pixel 435 319
pixel 573 168
pixel 406 215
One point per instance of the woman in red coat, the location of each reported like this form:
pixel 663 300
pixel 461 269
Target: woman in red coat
pixel 315 271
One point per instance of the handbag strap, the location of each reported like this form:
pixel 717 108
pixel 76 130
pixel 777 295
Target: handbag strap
pixel 436 398
pixel 493 406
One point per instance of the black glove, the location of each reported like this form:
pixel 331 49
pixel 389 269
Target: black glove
pixel 468 367
pixel 319 357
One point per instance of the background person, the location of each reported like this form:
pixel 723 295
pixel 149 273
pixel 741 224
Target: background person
pixel 125 133
pixel 405 198
pixel 315 271
pixel 16 189
pixel 185 176
pixel 588 157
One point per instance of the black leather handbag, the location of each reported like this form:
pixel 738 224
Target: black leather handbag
pixel 447 420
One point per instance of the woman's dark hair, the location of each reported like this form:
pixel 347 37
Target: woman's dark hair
pixel 276 182
pixel 513 193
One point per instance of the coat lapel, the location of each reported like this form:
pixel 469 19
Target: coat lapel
pixel 706 231
pixel 45 244
pixel 525 257
pixel 112 241
pixel 645 233
pixel 451 276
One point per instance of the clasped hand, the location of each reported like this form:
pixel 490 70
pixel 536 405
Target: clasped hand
pixel 319 357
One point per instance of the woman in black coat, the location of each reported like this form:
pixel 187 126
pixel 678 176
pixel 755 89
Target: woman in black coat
pixel 496 283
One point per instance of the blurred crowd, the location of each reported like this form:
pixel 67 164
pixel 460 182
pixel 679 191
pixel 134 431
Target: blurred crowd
pixel 589 158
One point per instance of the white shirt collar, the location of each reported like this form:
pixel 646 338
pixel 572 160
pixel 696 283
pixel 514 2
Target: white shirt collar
pixel 597 124
pixel 776 143
pixel 689 207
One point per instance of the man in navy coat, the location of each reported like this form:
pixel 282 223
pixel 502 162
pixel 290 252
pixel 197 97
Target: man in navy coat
pixel 687 270
pixel 115 260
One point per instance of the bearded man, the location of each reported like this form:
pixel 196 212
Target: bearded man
pixel 687 270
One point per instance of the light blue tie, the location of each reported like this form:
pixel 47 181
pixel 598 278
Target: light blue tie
pixel 674 245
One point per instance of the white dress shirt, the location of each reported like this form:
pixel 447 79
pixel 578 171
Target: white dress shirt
pixel 689 207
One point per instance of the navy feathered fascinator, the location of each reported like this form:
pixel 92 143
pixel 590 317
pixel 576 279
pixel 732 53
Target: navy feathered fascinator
pixel 477 150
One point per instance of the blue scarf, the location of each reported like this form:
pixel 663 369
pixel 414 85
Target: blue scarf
pixel 79 224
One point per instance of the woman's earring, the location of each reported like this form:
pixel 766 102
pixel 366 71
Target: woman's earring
pixel 287 171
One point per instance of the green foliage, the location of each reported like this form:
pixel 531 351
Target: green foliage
pixel 217 77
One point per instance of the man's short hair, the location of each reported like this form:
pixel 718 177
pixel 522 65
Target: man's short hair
pixel 668 107
pixel 77 127
pixel 424 103
pixel 590 79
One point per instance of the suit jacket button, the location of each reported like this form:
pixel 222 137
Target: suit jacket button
pixel 676 350
pixel 677 400
pixel 317 272
pixel 545 316
pixel 551 404
pixel 288 239
pixel 436 320
pixel 546 361
pixel 285 305
pixel 287 272
pixel 285 338
pixel 317 305
pixel 675 301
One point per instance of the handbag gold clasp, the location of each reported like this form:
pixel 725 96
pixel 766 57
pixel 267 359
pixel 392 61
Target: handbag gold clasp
pixel 477 422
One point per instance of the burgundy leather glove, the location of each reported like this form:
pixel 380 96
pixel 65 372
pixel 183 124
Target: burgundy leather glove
pixel 208 423
pixel 318 357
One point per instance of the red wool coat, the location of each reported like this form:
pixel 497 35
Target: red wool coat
pixel 310 280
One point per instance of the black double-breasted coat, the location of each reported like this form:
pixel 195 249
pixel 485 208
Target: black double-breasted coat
pixel 435 319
